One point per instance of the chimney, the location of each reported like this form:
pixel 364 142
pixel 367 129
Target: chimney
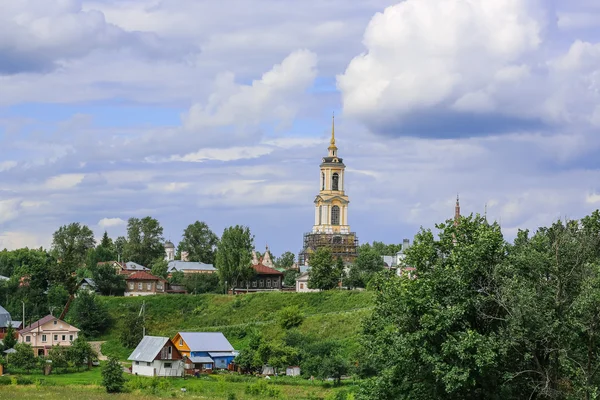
pixel 185 256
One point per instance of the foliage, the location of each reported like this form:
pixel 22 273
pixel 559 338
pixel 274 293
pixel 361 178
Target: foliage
pixel 324 359
pixel 106 250
pixel 177 278
pixel 364 268
pixel 289 277
pixel 380 248
pixel 290 317
pixel 323 272
pixel 144 242
pixel 234 256
pixel 202 283
pixel 70 244
pixel 286 260
pixel 263 389
pixel 131 329
pixel 24 357
pixel 112 376
pixel 160 268
pixel 200 243
pixel 81 353
pixel 9 341
pixel 59 355
pixel 108 281
pixel 89 315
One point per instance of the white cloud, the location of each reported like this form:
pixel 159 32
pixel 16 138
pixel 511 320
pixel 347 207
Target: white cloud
pixel 228 154
pixel 592 198
pixel 12 240
pixel 6 165
pixel 110 222
pixel 9 209
pixel 64 181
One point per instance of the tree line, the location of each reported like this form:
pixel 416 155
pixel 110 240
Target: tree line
pixel 488 319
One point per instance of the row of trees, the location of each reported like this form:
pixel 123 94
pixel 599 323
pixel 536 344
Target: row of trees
pixel 490 319
pixel 79 354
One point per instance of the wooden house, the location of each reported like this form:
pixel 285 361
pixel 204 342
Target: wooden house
pixel 204 351
pixel 142 283
pixel 156 356
pixel 265 279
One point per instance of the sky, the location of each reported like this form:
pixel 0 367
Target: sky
pixel 220 111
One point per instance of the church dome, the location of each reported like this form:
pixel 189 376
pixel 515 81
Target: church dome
pixel 169 245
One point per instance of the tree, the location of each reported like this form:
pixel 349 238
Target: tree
pixel 286 260
pixel 59 356
pixel 9 340
pixel 80 353
pixel 144 241
pixel 24 357
pixel 380 248
pixel 177 278
pixel 290 317
pixel 57 297
pixel 200 243
pixel 70 244
pixel 112 376
pixel 105 251
pixel 160 268
pixel 132 330
pixel 202 283
pixel 323 360
pixel 89 315
pixel 120 243
pixel 234 256
pixel 108 281
pixel 366 265
pixel 323 274
pixel 289 277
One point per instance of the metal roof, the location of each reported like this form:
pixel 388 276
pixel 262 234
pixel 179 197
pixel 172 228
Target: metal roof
pixel 5 318
pixel 148 348
pixel 130 265
pixel 221 354
pixel 206 341
pixel 177 265
pixel 4 278
pixel 203 360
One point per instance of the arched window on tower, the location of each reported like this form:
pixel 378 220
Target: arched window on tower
pixel 323 181
pixel 335 215
pixel 335 179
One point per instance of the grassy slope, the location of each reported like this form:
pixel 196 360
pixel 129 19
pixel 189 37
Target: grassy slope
pixel 329 315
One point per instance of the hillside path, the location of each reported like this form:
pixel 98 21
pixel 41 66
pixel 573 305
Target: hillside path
pixel 97 346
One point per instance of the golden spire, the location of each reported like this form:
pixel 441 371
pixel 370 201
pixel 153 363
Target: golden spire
pixel 332 141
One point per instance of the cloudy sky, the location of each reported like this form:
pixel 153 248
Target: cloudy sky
pixel 220 111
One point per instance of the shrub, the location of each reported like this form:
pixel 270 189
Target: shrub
pixel 5 380
pixel 261 388
pixel 112 376
pixel 290 317
pixel 24 380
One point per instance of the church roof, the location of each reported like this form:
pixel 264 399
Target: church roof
pixel 264 270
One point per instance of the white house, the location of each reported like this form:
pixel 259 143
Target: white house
pixel 156 356
pixel 302 283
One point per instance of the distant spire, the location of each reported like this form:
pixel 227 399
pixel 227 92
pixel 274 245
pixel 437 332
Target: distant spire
pixel 485 212
pixel 332 147
pixel 457 210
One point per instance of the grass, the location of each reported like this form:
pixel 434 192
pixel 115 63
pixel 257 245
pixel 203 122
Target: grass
pixel 328 315
pixel 85 385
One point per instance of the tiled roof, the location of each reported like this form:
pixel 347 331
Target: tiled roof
pixel 263 269
pixel 143 276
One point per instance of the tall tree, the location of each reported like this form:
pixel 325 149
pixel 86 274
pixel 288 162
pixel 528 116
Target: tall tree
pixel 108 281
pixel 160 268
pixel 90 315
pixel 364 268
pixel 105 251
pixel 144 241
pixel 234 256
pixel 70 244
pixel 323 272
pixel 120 243
pixel 286 260
pixel 200 243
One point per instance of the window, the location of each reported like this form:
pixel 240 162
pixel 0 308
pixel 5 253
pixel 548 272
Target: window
pixel 149 364
pixel 159 286
pixel 64 338
pixel 55 322
pixel 335 179
pixel 302 286
pixel 169 351
pixel 71 338
pixel 43 338
pixel 131 285
pixel 149 286
pixel 268 283
pixel 261 283
pixel 323 181
pixel 137 363
pixel 28 339
pixel 253 283
pixel 167 365
pixel 335 215
pixel 180 342
pixel 140 286
pixel 55 338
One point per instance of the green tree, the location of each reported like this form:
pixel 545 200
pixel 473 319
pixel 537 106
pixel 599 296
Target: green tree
pixel 120 243
pixel 202 283
pixel 289 277
pixel 112 376
pixel 286 260
pixel 144 241
pixel 160 268
pixel 108 281
pixel 106 251
pixel 131 329
pixel 24 357
pixel 60 357
pixel 9 341
pixel 323 272
pixel 367 264
pixel 177 278
pixel 200 243
pixel 57 298
pixel 234 256
pixel 80 353
pixel 89 315
pixel 70 244
pixel 290 317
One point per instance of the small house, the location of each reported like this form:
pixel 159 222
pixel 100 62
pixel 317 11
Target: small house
pixel 87 284
pixel 142 283
pixel 156 356
pixel 204 351
pixel 265 279
pixel 302 283
pixel 292 371
pixel 47 332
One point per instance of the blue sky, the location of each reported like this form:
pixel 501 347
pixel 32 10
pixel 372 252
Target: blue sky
pixel 218 112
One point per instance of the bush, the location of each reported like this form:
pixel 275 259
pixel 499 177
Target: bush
pixel 231 396
pixel 290 317
pixel 261 388
pixel 5 380
pixel 24 380
pixel 112 376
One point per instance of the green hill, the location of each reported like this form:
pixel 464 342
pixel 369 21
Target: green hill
pixel 328 315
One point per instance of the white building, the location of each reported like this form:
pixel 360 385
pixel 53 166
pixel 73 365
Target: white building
pixel 302 283
pixel 169 251
pixel 156 356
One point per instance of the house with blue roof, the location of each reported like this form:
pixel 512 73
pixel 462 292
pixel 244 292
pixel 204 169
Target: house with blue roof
pixel 205 351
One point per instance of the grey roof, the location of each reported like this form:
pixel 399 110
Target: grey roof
pixel 10 351
pixel 206 341
pixel 203 360
pixel 303 276
pixel 4 278
pixel 148 348
pixel 89 281
pixel 177 265
pixel 130 265
pixel 221 354
pixel 5 318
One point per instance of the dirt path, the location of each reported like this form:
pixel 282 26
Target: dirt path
pixel 97 346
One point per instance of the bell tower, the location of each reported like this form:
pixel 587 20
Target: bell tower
pixel 331 226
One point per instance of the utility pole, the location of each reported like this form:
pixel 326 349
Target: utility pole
pixel 143 318
pixel 23 314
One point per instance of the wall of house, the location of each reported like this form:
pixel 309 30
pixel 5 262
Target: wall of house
pixel 147 287
pixel 263 282
pixel 302 286
pixel 222 362
pixel 157 368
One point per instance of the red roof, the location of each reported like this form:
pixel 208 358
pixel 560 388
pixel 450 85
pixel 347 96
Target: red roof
pixel 143 276
pixel 263 269
pixel 37 323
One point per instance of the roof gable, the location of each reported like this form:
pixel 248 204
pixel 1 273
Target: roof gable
pixel 148 348
pixel 46 323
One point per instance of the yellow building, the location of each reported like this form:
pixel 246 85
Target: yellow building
pixel 331 228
